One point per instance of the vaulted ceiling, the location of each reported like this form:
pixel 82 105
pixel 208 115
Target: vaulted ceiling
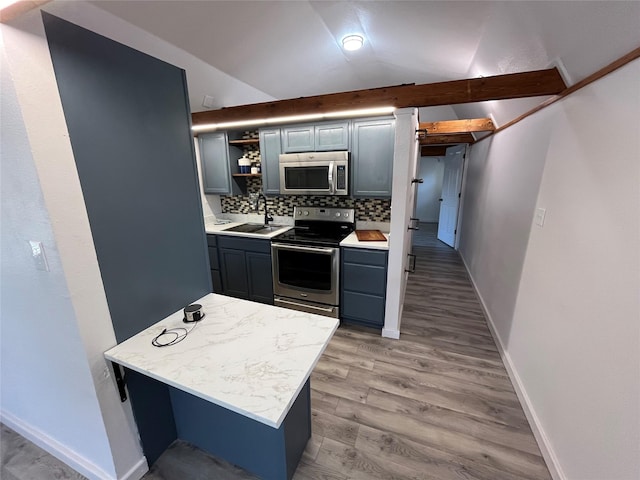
pixel 289 49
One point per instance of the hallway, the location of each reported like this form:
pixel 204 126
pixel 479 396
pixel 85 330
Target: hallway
pixel 436 404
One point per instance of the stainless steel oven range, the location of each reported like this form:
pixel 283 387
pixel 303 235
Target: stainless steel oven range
pixel 306 260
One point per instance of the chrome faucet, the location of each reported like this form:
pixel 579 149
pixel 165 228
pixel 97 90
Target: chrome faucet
pixel 267 218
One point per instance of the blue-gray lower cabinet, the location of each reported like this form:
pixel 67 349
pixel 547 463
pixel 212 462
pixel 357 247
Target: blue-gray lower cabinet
pixel 363 286
pixel 214 264
pixel 245 267
pixel 270 150
pixel 372 148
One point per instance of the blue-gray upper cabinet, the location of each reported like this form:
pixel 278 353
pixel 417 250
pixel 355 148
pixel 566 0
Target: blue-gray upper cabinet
pixel 372 157
pixel 320 137
pixel 270 150
pixel 299 138
pixel 214 157
pixel 332 136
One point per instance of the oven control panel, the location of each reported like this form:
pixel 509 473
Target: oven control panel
pixel 324 214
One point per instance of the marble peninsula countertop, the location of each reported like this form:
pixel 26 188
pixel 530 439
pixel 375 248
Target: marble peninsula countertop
pixel 248 357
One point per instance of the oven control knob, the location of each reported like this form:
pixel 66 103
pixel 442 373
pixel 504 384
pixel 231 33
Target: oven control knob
pixel 337 214
pixel 346 214
pixel 306 212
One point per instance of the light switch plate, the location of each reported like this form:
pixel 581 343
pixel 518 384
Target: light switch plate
pixel 539 218
pixel 39 258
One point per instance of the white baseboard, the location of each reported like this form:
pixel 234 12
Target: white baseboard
pixel 538 432
pixel 63 453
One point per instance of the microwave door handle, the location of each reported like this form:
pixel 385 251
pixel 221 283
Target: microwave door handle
pixel 332 187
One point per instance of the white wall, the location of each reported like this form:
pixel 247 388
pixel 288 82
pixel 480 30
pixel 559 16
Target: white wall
pixel 44 368
pixel 570 328
pixel 435 114
pixel 427 204
pixel 56 388
pixel 405 167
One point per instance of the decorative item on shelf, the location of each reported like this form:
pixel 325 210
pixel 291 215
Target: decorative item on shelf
pixel 244 165
pixel 254 170
pixel 259 167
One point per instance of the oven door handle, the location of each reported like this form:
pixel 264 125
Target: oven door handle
pixel 297 248
pixel 332 186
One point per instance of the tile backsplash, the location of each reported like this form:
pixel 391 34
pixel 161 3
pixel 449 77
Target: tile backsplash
pixel 366 209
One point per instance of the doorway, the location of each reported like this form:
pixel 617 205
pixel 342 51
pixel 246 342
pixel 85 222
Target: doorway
pixel 438 198
pixel 431 170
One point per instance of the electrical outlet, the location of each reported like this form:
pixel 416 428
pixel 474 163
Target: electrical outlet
pixel 539 218
pixel 39 258
pixel 105 373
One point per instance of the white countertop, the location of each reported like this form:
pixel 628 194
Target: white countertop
pixel 352 241
pixel 248 357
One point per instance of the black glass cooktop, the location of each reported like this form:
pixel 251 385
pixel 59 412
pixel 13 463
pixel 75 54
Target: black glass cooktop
pixel 317 235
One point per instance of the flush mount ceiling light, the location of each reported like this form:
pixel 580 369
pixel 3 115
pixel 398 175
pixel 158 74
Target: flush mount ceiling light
pixel 352 42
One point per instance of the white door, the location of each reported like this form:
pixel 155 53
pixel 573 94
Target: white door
pixel 450 199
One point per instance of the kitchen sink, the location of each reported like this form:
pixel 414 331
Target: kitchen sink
pixel 258 228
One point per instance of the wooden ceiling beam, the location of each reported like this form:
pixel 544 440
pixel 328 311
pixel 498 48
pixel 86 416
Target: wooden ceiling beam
pixel 433 150
pixel 458 126
pixel 499 87
pixel 447 139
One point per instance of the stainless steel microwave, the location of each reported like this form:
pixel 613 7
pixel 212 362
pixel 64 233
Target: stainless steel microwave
pixel 314 173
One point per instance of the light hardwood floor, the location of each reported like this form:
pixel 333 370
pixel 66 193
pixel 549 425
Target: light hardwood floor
pixel 436 404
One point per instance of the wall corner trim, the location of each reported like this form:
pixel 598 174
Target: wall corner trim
pixel 544 444
pixel 391 333
pixel 137 471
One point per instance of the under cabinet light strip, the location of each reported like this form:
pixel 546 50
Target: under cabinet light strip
pixel 294 118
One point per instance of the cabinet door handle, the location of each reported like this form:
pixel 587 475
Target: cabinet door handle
pixel 413 264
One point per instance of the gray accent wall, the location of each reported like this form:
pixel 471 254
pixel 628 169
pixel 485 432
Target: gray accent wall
pixel 129 123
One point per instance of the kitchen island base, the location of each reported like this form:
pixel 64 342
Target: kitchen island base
pixel 271 453
pixel 237 387
pixel 164 414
